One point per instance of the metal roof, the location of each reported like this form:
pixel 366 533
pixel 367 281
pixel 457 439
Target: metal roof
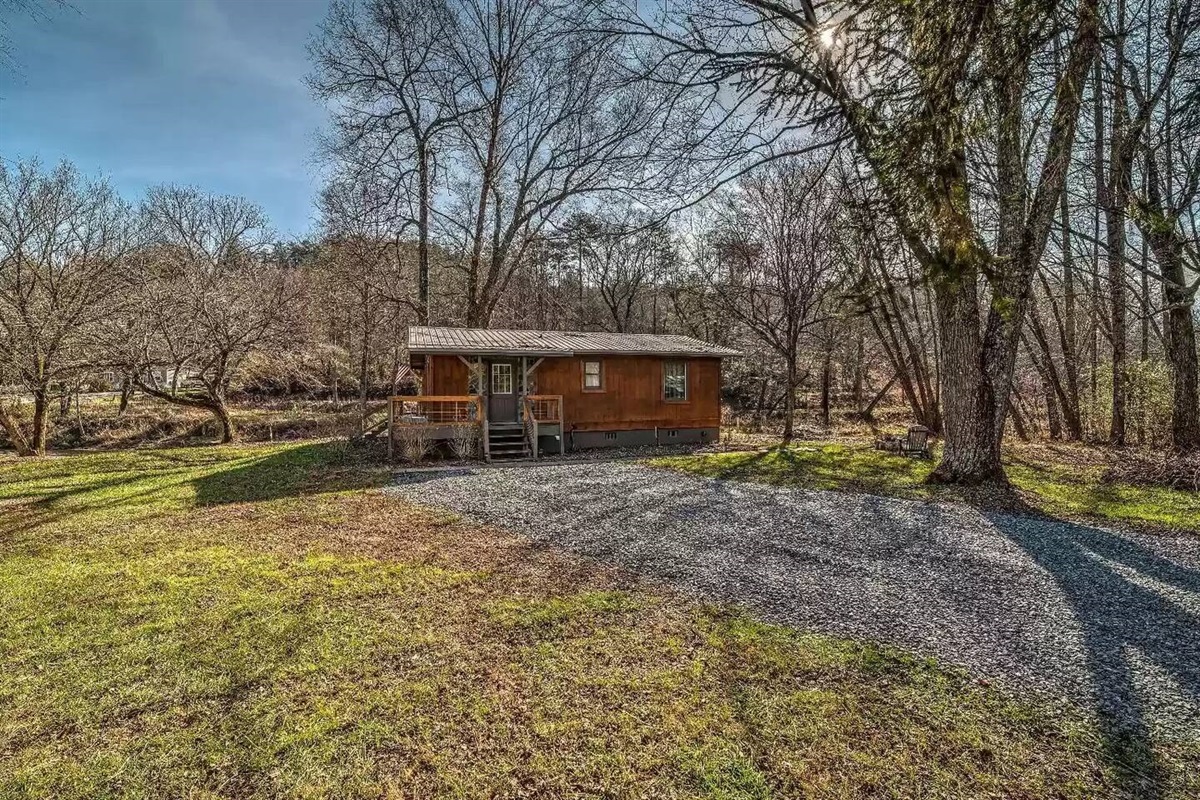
pixel 479 341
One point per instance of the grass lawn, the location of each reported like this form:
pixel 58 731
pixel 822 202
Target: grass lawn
pixel 263 622
pixel 1059 481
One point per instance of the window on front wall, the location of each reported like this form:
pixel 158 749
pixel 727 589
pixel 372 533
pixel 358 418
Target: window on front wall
pixel 593 376
pixel 675 380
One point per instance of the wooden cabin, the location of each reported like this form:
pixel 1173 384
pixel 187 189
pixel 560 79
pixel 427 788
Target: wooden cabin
pixel 531 392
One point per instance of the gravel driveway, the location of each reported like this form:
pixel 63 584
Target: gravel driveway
pixel 1107 619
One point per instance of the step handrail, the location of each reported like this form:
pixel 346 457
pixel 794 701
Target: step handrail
pixel 531 425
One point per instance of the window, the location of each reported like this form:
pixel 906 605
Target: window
pixel 675 380
pixel 593 376
pixel 610 436
pixel 502 379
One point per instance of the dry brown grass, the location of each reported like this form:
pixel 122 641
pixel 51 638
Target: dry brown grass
pixel 264 622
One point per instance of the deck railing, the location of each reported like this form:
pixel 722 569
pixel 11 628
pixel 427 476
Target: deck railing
pixel 545 408
pixel 432 411
pixel 436 409
pixel 542 409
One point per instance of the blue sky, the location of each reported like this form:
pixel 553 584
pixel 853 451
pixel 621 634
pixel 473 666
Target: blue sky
pixel 203 92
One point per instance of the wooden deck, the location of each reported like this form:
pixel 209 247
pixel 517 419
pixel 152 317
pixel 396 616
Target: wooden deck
pixel 442 417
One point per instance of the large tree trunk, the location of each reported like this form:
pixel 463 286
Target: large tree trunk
pixel 1069 328
pixel 228 431
pixel 1181 351
pixel 789 403
pixel 1115 201
pixel 971 454
pixel 1181 343
pixel 41 421
pixel 979 367
pixel 1116 280
pixel 423 235
pixel 477 300
pixel 214 404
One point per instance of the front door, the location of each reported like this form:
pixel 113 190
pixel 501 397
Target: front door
pixel 502 391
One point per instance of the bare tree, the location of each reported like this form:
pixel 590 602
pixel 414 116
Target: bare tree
pixel 779 261
pixel 62 241
pixel 1167 125
pixel 39 11
pixel 522 105
pixel 625 252
pixel 384 66
pixel 203 299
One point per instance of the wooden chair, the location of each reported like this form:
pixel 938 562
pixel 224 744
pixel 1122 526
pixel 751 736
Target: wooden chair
pixel 918 443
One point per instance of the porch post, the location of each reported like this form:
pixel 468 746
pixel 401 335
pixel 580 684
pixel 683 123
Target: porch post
pixel 523 392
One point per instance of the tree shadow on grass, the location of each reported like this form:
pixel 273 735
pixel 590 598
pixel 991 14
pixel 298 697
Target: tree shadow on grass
pixel 1134 607
pixel 308 469
pixel 60 502
pixel 1126 600
pixel 156 481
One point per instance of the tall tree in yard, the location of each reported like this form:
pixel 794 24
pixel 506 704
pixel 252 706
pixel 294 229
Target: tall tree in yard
pixel 1113 190
pixel 62 244
pixel 926 93
pixel 383 66
pixel 778 262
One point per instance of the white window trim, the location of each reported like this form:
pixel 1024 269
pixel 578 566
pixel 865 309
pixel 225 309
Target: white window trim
pixel 665 376
pixel 499 368
pixel 599 375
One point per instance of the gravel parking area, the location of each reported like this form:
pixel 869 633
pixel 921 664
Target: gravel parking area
pixel 1106 619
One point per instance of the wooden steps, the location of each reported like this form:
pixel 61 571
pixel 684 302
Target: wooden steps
pixel 506 442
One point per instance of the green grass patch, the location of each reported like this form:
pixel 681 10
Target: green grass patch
pixel 260 622
pixel 1071 491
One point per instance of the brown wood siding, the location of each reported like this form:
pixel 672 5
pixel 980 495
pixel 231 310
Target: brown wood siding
pixel 631 398
pixel 445 375
pixel 632 395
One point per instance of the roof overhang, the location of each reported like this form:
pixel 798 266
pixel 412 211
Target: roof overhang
pixel 463 351
pixel 500 343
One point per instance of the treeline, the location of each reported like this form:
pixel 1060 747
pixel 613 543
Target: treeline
pixel 1015 187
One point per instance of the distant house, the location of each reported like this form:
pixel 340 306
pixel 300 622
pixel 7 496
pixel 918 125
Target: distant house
pixel 535 390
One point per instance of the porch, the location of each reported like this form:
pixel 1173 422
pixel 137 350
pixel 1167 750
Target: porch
pixel 463 421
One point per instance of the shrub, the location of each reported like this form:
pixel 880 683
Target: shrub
pixel 1171 471
pixel 415 442
pixel 464 441
pixel 1148 404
